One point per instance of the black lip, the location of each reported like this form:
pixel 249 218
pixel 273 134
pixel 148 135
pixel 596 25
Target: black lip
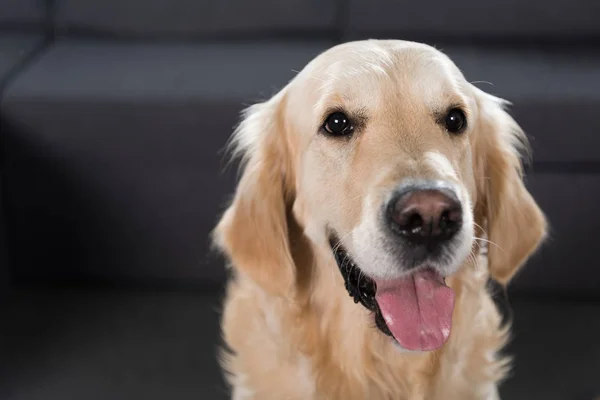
pixel 359 286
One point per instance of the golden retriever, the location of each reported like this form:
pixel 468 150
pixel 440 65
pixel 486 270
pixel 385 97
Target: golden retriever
pixel 369 184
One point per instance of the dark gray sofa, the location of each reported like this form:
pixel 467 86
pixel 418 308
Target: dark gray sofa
pixel 113 115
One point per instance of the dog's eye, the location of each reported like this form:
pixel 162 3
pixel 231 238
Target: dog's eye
pixel 337 124
pixel 455 121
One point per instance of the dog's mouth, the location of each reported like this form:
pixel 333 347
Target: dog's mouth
pixel 416 310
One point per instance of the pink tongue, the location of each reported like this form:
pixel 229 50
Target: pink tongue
pixel 417 309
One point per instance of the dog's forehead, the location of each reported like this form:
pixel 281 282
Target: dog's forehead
pixel 376 73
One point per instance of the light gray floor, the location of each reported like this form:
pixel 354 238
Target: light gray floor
pixel 126 344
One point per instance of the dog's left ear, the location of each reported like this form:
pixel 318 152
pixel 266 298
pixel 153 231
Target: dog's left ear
pixel 253 232
pixel 515 224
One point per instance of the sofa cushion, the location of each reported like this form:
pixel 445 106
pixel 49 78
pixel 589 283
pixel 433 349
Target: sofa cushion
pixel 113 156
pixel 4 266
pixel 473 19
pixel 14 49
pixel 17 13
pixel 214 18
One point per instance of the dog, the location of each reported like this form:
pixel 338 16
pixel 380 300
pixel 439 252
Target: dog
pixel 369 185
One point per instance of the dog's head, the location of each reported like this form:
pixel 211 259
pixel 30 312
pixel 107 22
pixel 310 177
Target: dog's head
pixel 383 151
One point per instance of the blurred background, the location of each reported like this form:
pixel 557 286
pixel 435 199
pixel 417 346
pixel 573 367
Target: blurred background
pixel 113 118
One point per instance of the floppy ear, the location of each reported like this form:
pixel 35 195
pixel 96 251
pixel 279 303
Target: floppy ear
pixel 515 224
pixel 253 232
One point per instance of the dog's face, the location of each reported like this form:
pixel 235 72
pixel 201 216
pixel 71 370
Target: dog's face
pixel 385 165
pixel 384 151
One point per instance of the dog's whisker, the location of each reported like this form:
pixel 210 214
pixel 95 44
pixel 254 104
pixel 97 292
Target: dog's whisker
pixel 490 242
pixel 473 258
pixel 338 244
pixel 470 258
pixel 480 227
pixel 336 247
pixel 477 244
pixel 486 82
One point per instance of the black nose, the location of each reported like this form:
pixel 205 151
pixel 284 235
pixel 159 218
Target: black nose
pixel 425 216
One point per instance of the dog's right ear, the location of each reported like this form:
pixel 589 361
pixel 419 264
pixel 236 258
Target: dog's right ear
pixel 253 232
